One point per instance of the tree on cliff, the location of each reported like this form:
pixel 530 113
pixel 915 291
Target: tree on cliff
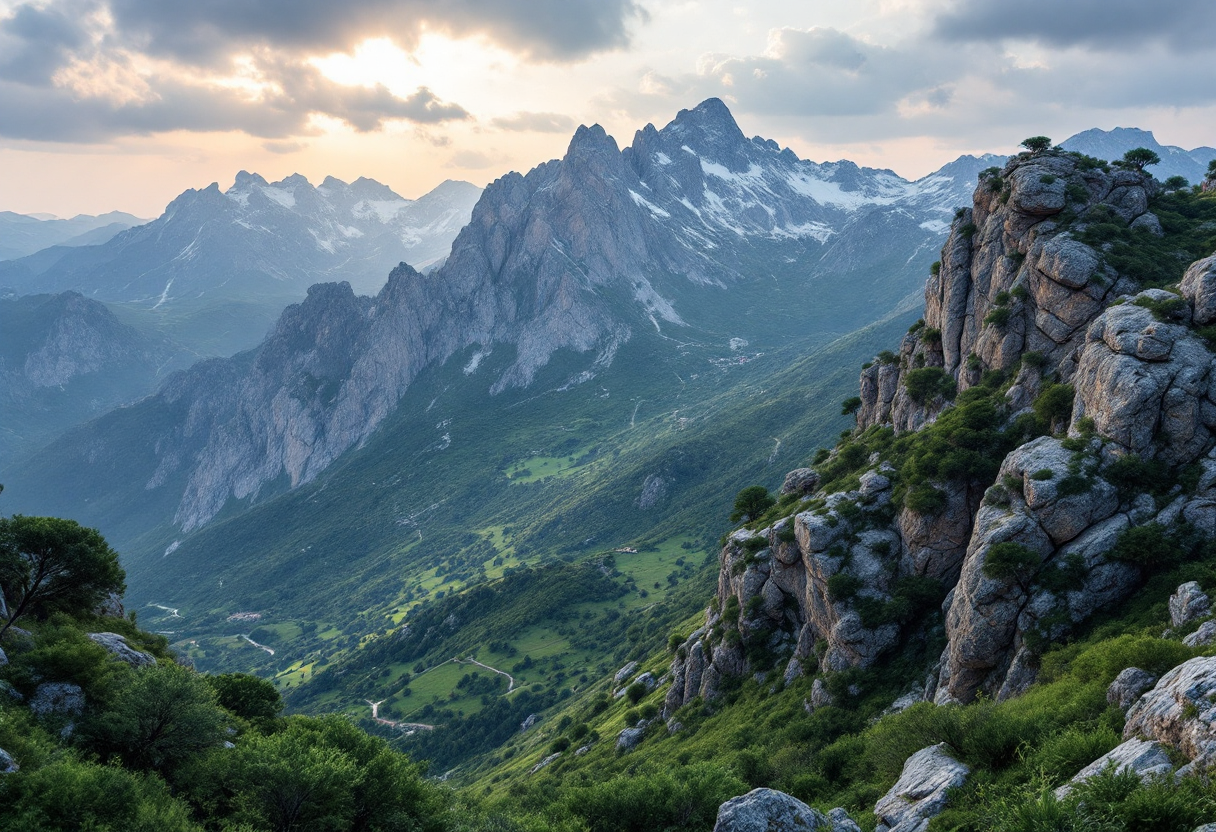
pixel 1140 158
pixel 1036 144
pixel 48 564
pixel 751 502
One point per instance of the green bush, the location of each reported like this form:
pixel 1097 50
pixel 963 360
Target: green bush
pixel 1053 405
pixel 999 317
pixel 843 586
pixel 926 499
pixel 1010 561
pixel 929 383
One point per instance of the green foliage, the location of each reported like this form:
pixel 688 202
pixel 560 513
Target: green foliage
pixel 1153 545
pixel 248 697
pixel 999 316
pixel 49 565
pixel 1010 561
pixel 68 795
pixel 935 268
pixel 843 587
pixel 687 798
pixel 967 230
pixel 1167 310
pixel 929 383
pixel 1053 405
pixel 1132 475
pixel 850 405
pixel 158 718
pixel 1155 261
pixel 1036 144
pixel 925 499
pixel 1140 158
pixel 1043 474
pixel 636 692
pixel 1175 183
pixel 751 502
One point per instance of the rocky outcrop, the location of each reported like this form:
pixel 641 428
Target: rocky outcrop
pixel 767 810
pixel 920 792
pixel 123 651
pixel 1205 635
pixel 1128 687
pixel 1179 711
pixel 1188 603
pixel 57 699
pixel 997 608
pixel 1199 288
pixel 1146 384
pixel 7 764
pixel 1146 759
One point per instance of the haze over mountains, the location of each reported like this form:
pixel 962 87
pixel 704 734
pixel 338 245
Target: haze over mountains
pixel 23 234
pixel 216 269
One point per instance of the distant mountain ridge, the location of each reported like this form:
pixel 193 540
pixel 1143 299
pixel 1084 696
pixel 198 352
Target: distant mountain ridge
pixel 676 234
pixel 1112 144
pixel 24 234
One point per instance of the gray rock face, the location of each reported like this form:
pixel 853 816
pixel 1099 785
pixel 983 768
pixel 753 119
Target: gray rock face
pixel 1199 288
pixel 990 617
pixel 800 481
pixel 57 699
pixel 1147 759
pixel 624 672
pixel 7 764
pixel 1205 635
pixel 629 738
pixel 920 792
pixel 1179 710
pixel 1188 603
pixel 3 658
pixel 1128 686
pixel 117 645
pixel 547 761
pixel 1145 384
pixel 767 810
pixel 840 821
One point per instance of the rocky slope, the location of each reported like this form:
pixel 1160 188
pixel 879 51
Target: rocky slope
pixel 1050 419
pixel 575 256
pixel 65 358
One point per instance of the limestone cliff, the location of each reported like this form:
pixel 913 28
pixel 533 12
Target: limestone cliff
pixel 1047 404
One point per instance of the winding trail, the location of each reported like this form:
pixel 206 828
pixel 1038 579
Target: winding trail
pixel 405 726
pixel 171 610
pixel 510 678
pixel 259 646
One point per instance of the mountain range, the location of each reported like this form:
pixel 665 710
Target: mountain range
pixel 24 234
pixel 1110 145
pixel 217 268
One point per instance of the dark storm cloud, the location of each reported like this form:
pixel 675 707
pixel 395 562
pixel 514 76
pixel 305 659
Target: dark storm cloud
pixel 525 122
pixel 204 31
pixel 1100 24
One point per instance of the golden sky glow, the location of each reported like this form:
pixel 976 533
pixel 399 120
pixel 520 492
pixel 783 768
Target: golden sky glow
pixel 886 83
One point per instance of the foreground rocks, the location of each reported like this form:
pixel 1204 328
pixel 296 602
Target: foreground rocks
pixel 1128 686
pixel 1179 711
pixel 767 810
pixel 118 645
pixel 1147 759
pixel 920 792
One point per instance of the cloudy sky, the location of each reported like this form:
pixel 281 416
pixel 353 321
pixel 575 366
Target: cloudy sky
pixel 122 104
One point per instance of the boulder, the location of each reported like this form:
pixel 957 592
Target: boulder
pixel 3 658
pixel 1148 221
pixel 52 699
pixel 1147 759
pixel 118 645
pixel 628 739
pixel 839 821
pixel 920 792
pixel 624 672
pixel 768 810
pixel 7 764
pixel 1205 635
pixel 545 762
pixel 800 481
pixel 1129 686
pixel 1178 711
pixel 529 721
pixel 1188 603
pixel 1199 288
